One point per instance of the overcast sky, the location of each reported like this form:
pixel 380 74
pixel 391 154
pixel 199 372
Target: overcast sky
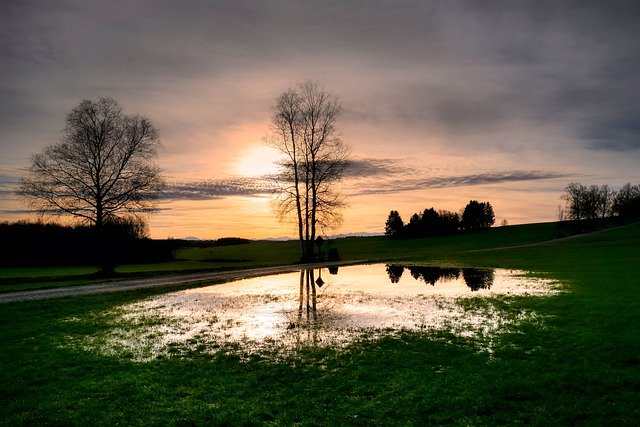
pixel 444 101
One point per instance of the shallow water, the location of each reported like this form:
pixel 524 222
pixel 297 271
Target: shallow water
pixel 276 313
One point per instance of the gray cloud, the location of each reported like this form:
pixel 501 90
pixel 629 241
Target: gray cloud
pixel 421 183
pixel 529 65
pixel 378 168
pixel 16 211
pixel 470 65
pixel 619 134
pixel 215 189
pixel 7 179
pixel 8 186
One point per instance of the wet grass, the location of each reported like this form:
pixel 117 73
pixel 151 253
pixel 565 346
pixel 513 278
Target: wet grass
pixel 580 366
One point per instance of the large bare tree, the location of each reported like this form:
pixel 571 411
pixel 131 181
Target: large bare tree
pixel 102 169
pixel 304 130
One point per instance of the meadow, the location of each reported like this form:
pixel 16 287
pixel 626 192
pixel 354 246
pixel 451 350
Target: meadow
pixel 580 366
pixel 272 253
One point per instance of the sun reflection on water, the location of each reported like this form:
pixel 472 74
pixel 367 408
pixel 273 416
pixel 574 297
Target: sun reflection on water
pixel 275 313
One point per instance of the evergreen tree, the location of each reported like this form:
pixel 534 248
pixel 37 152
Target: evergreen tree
pixel 394 226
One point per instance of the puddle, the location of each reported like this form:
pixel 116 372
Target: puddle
pixel 321 308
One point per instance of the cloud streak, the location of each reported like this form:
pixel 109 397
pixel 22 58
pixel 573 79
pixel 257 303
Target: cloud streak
pixel 216 189
pixel 379 168
pixel 364 177
pixel 421 183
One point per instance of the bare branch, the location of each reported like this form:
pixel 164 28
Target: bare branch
pixel 304 130
pixel 101 167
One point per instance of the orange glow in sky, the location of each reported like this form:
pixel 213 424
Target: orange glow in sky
pixel 444 102
pixel 257 161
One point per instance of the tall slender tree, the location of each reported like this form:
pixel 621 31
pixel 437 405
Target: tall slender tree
pixel 303 129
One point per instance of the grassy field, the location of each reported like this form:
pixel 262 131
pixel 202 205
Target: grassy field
pixel 268 253
pixel 582 366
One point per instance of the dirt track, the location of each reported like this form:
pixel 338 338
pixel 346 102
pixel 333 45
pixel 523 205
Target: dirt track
pixel 183 279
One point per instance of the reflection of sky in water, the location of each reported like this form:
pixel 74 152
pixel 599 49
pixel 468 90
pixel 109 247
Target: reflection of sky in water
pixel 360 301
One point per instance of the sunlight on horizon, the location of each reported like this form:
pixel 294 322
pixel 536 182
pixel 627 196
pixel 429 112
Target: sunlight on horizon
pixel 257 160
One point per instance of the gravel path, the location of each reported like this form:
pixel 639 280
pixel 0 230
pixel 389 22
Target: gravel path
pixel 183 279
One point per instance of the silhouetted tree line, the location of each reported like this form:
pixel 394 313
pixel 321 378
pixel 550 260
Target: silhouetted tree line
pixel 476 215
pixel 600 201
pixel 227 241
pixel 31 244
pixel 475 278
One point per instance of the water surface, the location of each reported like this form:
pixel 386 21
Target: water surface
pixel 322 307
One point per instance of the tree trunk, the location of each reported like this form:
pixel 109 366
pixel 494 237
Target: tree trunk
pixel 296 178
pixel 106 244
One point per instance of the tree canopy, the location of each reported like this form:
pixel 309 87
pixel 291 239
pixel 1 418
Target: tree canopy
pixel 100 170
pixel 626 202
pixel 394 226
pixel 477 215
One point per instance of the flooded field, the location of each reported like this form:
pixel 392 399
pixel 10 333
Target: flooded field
pixel 325 307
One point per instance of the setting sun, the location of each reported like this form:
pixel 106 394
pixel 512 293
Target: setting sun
pixel 257 161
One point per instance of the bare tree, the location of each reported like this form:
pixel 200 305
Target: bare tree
pixel 304 130
pixel 626 202
pixel 101 169
pixel 606 198
pixel 589 203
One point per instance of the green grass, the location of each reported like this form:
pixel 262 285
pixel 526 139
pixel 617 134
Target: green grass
pixel 39 272
pixel 256 254
pixel 266 253
pixel 581 366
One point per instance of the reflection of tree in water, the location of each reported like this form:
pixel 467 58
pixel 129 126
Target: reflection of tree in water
pixel 431 275
pixel 395 272
pixel 476 278
pixel 306 327
pixel 307 281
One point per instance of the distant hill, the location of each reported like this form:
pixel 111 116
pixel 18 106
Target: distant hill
pixel 332 236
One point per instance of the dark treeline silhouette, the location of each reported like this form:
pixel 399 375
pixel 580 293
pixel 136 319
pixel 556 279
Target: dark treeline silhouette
pixel 476 215
pixel 475 278
pixel 593 202
pixel 224 241
pixel 430 275
pixel 590 207
pixel 32 244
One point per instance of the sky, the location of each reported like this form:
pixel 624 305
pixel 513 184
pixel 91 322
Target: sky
pixel 444 101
